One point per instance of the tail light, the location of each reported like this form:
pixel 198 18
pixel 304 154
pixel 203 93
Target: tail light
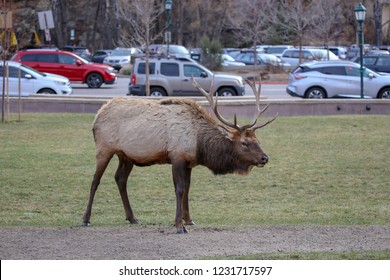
pixel 299 76
pixel 133 79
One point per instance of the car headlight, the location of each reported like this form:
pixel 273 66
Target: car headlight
pixel 110 70
pixel 124 60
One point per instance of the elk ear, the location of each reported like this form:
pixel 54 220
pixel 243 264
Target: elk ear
pixel 226 132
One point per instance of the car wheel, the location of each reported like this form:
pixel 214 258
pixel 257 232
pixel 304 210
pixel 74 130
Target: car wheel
pixel 94 80
pixel 226 92
pixel 157 92
pixel 384 93
pixel 315 92
pixel 47 91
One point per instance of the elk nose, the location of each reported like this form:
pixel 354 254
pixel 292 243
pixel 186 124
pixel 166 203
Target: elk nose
pixel 265 158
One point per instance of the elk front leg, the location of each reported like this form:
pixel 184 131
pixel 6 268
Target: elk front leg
pixel 181 174
pixel 102 160
pixel 185 207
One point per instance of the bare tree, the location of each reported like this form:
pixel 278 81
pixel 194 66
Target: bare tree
pixel 250 21
pixel 201 18
pixel 328 21
pixel 297 16
pixel 378 25
pixel 139 19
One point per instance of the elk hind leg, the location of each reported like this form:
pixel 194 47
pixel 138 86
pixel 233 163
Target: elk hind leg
pixel 180 173
pixel 122 174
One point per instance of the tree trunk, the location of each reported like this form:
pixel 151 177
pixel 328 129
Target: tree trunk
pixel 378 22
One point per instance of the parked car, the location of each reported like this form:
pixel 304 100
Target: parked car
pixel 292 56
pixel 248 58
pixel 227 60
pixel 377 52
pixel 33 81
pixel 340 52
pixel 100 55
pixel 277 50
pixel 79 50
pixel 352 53
pixel 376 63
pixel 174 50
pixel 67 64
pixel 326 79
pixel 172 76
pixel 233 52
pixel 121 57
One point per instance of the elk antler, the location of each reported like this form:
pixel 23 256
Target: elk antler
pixel 213 104
pixel 259 112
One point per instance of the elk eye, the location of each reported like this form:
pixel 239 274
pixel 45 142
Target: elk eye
pixel 244 144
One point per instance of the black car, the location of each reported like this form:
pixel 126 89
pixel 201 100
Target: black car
pixel 79 50
pixel 378 63
pixel 99 55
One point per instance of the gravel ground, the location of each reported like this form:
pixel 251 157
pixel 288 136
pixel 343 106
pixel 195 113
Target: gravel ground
pixel 152 243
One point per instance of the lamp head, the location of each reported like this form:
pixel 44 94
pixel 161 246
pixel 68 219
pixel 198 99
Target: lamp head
pixel 360 13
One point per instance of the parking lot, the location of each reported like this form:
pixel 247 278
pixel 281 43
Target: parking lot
pixel 120 88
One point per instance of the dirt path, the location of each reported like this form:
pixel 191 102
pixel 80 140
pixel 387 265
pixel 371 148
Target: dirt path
pixel 163 243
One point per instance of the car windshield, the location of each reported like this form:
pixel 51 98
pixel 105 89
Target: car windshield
pixel 227 57
pixel 269 58
pixel 121 53
pixel 277 50
pixel 82 59
pixel 22 67
pixel 323 54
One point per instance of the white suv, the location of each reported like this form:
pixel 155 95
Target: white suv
pixel 121 57
pixel 326 79
pixel 172 76
pixel 291 56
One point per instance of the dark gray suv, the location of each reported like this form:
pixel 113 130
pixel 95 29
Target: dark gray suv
pixel 378 63
pixel 172 77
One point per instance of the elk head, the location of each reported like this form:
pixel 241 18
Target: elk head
pixel 244 148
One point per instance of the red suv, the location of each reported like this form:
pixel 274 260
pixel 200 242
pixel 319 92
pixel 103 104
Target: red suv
pixel 67 64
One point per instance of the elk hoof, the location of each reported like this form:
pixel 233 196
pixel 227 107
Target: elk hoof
pixel 134 222
pixel 190 223
pixel 182 231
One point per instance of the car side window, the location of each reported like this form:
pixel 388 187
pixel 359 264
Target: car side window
pixel 13 72
pixel 170 69
pixel 295 54
pixel 287 54
pixel 383 61
pixel 66 59
pixel 307 55
pixel 28 57
pixel 352 71
pixel 367 60
pixel 332 70
pixel 191 70
pixel 51 58
pixel 142 68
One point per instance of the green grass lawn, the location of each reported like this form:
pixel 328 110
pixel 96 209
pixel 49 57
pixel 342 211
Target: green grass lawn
pixel 332 170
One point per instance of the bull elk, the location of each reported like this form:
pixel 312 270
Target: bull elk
pixel 172 131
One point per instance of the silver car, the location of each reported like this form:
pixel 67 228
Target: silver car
pixel 326 79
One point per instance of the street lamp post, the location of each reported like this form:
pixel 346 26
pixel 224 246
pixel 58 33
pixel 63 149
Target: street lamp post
pixel 168 8
pixel 360 14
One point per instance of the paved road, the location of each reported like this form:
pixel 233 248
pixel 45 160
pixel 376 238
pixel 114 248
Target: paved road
pixel 270 91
